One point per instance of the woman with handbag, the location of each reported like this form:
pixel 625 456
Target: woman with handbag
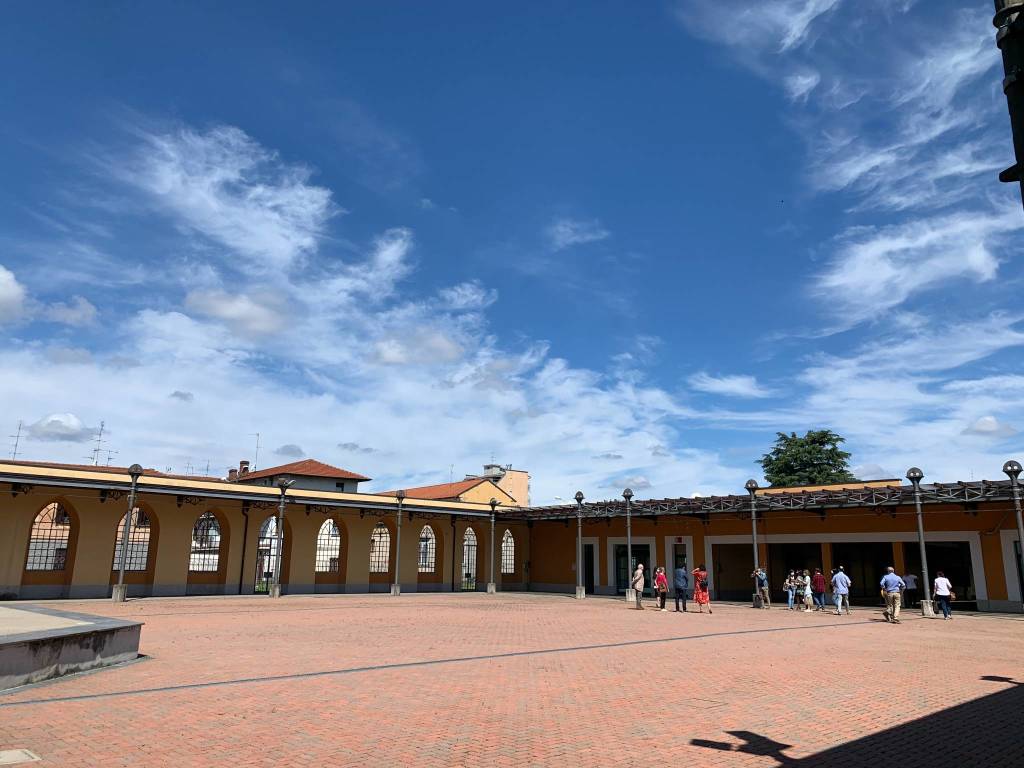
pixel 789 585
pixel 701 595
pixel 661 587
pixel 943 591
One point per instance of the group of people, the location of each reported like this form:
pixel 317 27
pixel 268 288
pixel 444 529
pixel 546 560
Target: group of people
pixel 680 583
pixel 809 589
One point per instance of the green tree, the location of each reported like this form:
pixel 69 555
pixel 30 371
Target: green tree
pixel 814 459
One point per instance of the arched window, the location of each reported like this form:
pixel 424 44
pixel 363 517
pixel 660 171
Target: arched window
pixel 266 555
pixel 428 549
pixel 508 553
pixel 48 541
pixel 328 548
pixel 137 549
pixel 380 548
pixel 469 559
pixel 205 554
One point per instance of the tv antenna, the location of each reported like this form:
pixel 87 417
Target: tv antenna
pixel 256 458
pixel 111 454
pixel 99 445
pixel 17 439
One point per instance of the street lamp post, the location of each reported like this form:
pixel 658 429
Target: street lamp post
pixel 120 590
pixel 492 587
pixel 283 485
pixel 751 486
pixel 580 591
pixel 1010 41
pixel 396 588
pixel 914 475
pixel 1013 469
pixel 630 592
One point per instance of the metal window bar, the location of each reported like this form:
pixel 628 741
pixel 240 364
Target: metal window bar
pixel 508 553
pixel 428 550
pixel 205 554
pixel 266 555
pixel 328 548
pixel 48 541
pixel 137 558
pixel 469 560
pixel 380 548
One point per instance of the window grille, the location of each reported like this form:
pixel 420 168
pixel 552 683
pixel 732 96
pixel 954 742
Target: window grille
pixel 469 560
pixel 380 549
pixel 328 548
pixel 266 555
pixel 428 549
pixel 48 542
pixel 205 554
pixel 137 551
pixel 508 553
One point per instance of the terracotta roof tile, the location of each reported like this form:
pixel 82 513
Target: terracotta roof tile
pixel 305 468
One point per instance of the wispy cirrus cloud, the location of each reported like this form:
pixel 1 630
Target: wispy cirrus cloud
pixel 565 232
pixel 732 386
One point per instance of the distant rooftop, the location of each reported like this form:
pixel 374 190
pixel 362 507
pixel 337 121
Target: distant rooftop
pixel 114 470
pixel 303 468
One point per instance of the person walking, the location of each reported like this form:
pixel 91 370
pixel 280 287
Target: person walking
pixel 841 589
pixel 892 588
pixel 818 589
pixel 701 595
pixel 661 587
pixel 637 584
pixel 680 582
pixel 790 586
pixel 910 593
pixel 761 587
pixel 806 586
pixel 943 591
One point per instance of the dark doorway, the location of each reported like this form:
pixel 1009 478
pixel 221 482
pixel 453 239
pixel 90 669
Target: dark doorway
pixel 953 558
pixel 733 564
pixel 783 558
pixel 865 563
pixel 641 554
pixel 588 568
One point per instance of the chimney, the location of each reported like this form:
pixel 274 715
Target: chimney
pixel 243 468
pixel 232 475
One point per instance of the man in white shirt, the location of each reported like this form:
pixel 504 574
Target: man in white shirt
pixel 944 595
pixel 910 593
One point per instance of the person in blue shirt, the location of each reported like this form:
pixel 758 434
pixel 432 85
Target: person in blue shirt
pixel 761 587
pixel 681 582
pixel 892 588
pixel 841 590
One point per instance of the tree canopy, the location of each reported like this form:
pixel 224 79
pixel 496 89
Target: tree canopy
pixel 814 459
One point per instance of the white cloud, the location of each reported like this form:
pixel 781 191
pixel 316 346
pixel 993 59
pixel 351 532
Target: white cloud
pixel 871 472
pixel 223 185
pixel 79 312
pixel 774 26
pixel 989 426
pixel 12 297
pixel 564 232
pixel 799 85
pixel 735 386
pixel 467 296
pixel 246 315
pixel 61 427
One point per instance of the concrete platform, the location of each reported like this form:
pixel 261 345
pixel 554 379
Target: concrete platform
pixel 39 643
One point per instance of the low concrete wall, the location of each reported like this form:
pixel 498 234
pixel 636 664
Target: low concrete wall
pixel 35 656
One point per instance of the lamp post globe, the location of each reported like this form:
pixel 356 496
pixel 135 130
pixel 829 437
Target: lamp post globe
pixel 915 475
pixel 1012 469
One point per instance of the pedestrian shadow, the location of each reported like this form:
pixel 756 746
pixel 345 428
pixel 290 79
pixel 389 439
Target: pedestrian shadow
pixel 984 731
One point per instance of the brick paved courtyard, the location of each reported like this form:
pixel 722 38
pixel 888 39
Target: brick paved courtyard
pixel 443 680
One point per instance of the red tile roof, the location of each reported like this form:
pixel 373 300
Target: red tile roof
pixel 444 491
pixel 304 468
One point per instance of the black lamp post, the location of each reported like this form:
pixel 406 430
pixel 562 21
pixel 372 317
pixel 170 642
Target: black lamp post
pixel 396 588
pixel 915 475
pixel 492 587
pixel 1013 469
pixel 630 592
pixel 580 591
pixel 751 486
pixel 283 485
pixel 120 591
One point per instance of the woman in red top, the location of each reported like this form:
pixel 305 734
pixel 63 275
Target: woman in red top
pixel 661 587
pixel 700 588
pixel 818 587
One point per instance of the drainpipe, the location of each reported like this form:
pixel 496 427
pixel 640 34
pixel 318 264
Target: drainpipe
pixel 120 591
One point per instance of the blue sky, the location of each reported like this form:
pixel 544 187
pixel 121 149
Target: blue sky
pixel 612 243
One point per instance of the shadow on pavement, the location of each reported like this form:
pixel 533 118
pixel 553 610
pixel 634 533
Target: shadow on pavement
pixel 983 732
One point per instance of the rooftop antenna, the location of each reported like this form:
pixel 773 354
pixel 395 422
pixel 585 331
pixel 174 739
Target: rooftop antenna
pixel 17 439
pixel 99 445
pixel 111 454
pixel 451 476
pixel 256 459
pixel 207 472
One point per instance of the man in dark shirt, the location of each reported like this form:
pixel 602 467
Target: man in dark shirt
pixel 680 582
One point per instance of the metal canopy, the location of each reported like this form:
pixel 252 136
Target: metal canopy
pixel 882 496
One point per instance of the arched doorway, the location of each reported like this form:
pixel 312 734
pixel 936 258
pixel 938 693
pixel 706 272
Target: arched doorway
pixel 429 560
pixel 137 553
pixel 330 565
pixel 381 558
pixel 267 553
pixel 469 560
pixel 50 552
pixel 207 560
pixel 508 553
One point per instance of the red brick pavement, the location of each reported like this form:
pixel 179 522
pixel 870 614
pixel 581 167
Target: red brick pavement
pixel 516 680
